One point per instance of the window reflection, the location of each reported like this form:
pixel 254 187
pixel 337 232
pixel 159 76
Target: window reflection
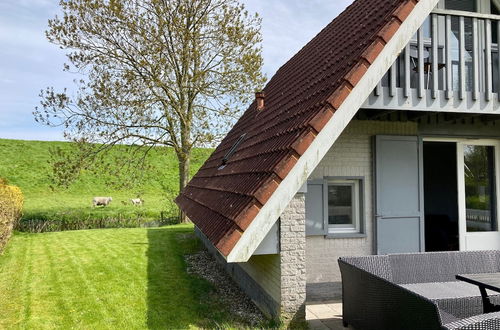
pixel 480 188
pixel 465 5
pixel 340 204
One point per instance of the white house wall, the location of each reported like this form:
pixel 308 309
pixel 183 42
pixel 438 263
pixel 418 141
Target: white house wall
pixel 265 270
pixel 352 156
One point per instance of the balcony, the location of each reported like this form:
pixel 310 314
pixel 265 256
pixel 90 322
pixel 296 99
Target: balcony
pixel 451 64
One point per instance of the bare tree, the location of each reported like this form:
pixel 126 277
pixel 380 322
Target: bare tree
pixel 172 73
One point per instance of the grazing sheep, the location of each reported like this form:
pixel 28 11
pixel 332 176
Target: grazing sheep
pixel 137 201
pixel 104 201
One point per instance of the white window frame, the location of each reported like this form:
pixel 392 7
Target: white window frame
pixel 339 231
pixel 355 204
pixel 460 150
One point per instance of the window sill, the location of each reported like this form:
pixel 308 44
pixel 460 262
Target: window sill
pixel 345 235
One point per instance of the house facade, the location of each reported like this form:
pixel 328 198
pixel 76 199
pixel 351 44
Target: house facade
pixel 382 135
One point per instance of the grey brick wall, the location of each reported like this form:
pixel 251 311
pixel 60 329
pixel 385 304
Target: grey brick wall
pixel 351 155
pixel 293 260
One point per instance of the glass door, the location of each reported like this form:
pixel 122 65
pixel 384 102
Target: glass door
pixel 478 181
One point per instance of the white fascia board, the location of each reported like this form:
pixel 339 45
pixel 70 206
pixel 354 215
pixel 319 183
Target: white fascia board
pixel 287 189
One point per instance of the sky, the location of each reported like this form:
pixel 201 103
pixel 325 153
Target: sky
pixel 29 63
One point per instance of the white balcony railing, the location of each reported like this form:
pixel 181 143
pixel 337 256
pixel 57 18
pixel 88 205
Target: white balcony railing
pixel 452 63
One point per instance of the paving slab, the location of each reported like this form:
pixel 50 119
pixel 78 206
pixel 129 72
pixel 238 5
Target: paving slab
pixel 316 324
pixel 336 307
pixel 325 316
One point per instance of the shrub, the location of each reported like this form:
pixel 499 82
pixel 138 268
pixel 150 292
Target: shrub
pixel 46 224
pixel 11 206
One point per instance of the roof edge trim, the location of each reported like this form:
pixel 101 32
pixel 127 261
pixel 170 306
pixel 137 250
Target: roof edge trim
pixel 298 175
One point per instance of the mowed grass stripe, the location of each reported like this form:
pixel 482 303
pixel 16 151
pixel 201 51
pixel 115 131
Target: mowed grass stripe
pixel 13 298
pixel 132 269
pixel 106 279
pixel 62 314
pixel 71 284
pixel 129 254
pixel 84 265
pixel 27 281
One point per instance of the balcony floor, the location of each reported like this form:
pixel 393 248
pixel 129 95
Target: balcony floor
pixel 441 103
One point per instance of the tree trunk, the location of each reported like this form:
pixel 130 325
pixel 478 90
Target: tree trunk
pixel 184 162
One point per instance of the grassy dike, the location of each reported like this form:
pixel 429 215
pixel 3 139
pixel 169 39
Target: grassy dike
pixel 26 165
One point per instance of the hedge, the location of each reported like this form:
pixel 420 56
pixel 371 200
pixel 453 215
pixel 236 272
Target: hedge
pixel 11 206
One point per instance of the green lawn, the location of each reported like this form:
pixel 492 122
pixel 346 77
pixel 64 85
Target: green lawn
pixel 27 164
pixel 106 279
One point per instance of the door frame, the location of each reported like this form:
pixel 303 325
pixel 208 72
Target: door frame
pixel 462 224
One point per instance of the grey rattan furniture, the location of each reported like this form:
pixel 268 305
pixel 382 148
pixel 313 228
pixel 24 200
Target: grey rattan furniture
pixel 417 291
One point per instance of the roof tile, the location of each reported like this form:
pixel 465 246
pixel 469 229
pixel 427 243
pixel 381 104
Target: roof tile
pixel 403 11
pixel 266 190
pixel 321 118
pixel 390 29
pixel 226 243
pixel 246 217
pixel 372 52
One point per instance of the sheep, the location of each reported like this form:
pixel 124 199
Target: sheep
pixel 137 201
pixel 104 201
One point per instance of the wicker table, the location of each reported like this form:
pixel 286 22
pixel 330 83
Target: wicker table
pixel 490 281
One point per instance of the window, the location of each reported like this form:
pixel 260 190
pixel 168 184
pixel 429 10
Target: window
pixel 495 6
pixel 343 206
pixel 480 191
pixel 334 206
pixel 464 5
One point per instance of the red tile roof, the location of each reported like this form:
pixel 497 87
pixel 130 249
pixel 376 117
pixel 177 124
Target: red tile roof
pixel 299 101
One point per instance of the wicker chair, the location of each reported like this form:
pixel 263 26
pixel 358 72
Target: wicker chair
pixel 417 291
